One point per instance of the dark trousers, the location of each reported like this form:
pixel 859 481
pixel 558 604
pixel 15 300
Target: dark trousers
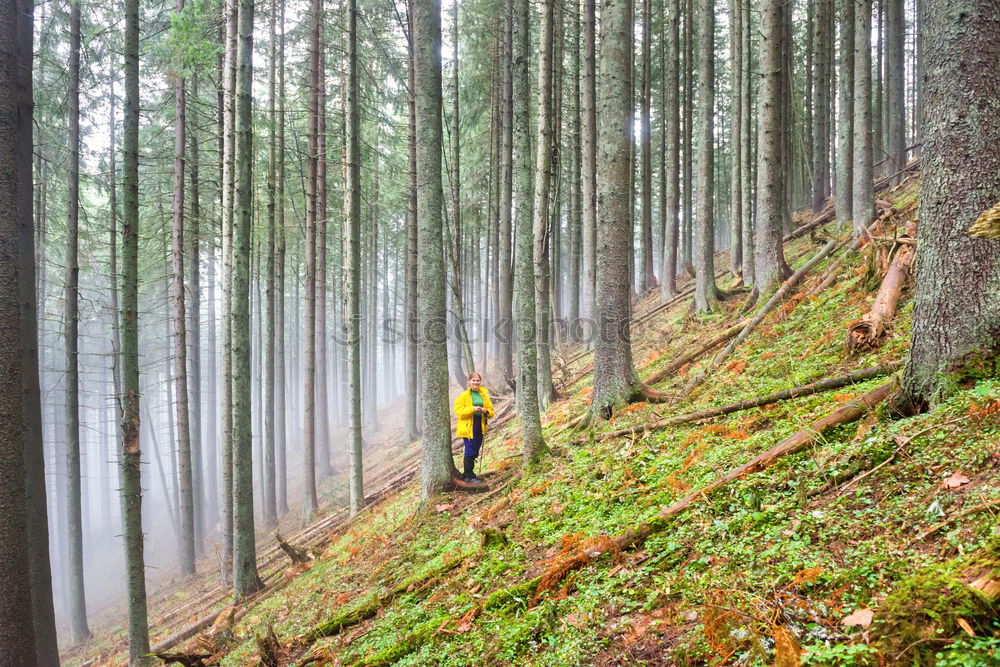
pixel 473 444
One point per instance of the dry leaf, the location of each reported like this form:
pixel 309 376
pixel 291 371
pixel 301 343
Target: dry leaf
pixel 787 650
pixel 861 617
pixel 964 624
pixel 444 507
pixel 955 481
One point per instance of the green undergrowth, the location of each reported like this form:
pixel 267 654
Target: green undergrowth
pixel 892 516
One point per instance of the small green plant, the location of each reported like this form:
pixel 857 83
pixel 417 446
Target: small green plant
pixel 839 654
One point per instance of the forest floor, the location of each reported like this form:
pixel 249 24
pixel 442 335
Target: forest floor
pixel 876 544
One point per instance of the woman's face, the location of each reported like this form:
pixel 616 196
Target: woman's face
pixel 474 382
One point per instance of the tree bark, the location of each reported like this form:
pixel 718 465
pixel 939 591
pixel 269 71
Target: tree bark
pixel 769 262
pixel 436 465
pixel 280 364
pixel 736 138
pixel 646 158
pixel 20 457
pixel 533 446
pixel 79 631
pixel 505 330
pixel 863 195
pixel 309 383
pixel 845 118
pixel 706 293
pixel 540 232
pixel 614 373
pixel 821 145
pixel 245 579
pixel 352 264
pixel 671 166
pixel 956 315
pixel 131 489
pixel 411 430
pixel 895 71
pixel 588 103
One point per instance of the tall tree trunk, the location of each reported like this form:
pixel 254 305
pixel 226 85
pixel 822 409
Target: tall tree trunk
pixel 688 136
pixel 956 315
pixel 245 579
pixel 645 138
pixel 533 446
pixel 505 330
pixel 736 138
pixel 436 465
pixel 575 212
pixel 614 373
pixel 671 152
pixel 228 219
pixel 411 429
pixel 322 227
pixel 186 540
pixel 747 171
pixel 540 222
pixel 769 260
pixel 821 145
pixel 193 233
pixel 79 631
pixel 20 435
pixel 352 261
pixel 895 71
pixel 706 292
pixel 845 118
pixel 131 489
pixel 588 111
pixel 863 200
pixel 280 363
pixel 309 390
pixel 268 499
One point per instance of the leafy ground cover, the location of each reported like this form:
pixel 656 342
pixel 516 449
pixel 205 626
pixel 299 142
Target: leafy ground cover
pixel 876 545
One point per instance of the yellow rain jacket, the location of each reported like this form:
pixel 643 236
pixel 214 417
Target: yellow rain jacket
pixel 465 411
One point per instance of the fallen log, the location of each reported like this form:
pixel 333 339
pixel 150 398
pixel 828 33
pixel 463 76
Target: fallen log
pixel 780 295
pixel 636 535
pixel 868 331
pixel 674 366
pixel 294 553
pixel 750 403
pixel 368 609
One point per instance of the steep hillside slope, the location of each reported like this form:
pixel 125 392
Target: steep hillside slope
pixel 875 543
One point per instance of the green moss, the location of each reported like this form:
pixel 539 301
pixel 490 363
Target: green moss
pixel 405 646
pixel 520 594
pixel 924 610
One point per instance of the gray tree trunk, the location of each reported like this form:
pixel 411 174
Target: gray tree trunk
pixel 309 390
pixel 863 195
pixel 769 260
pixel 79 631
pixel 736 138
pixel 352 264
pixel 280 399
pixel 505 328
pixel 533 445
pixel 895 72
pixel 747 172
pixel 436 464
pixel 186 503
pixel 956 314
pixel 821 120
pixel 245 579
pixel 540 210
pixel 411 430
pixel 646 158
pixel 614 373
pixel 845 118
pixel 705 292
pixel 671 160
pixel 588 306
pixel 20 458
pixel 131 482
pixel 268 498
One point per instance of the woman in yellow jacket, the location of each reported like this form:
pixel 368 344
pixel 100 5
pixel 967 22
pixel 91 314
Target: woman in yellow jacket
pixel 473 408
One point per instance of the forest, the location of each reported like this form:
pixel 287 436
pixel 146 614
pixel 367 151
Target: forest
pixel 490 332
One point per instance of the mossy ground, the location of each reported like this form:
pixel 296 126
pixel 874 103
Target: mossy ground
pixel 760 573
